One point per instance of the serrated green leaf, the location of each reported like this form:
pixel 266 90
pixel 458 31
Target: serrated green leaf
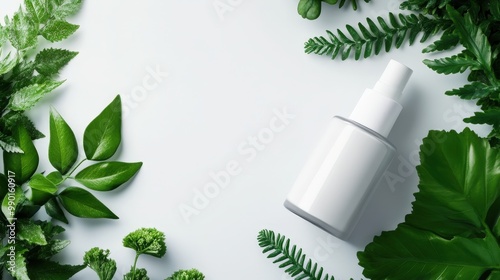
pixel 107 176
pixel 49 270
pixel 459 181
pixel 471 37
pixel 8 63
pixel 58 30
pixel 82 203
pixel 490 116
pixel 22 31
pixel 64 8
pixel 30 232
pixel 14 119
pixel 22 165
pixel 410 253
pixel 9 144
pixel 41 189
pixel 102 136
pixel 63 148
pixel 50 61
pixel 28 96
pixel 37 10
pixel 452 65
pixel 53 247
pixel 55 211
pixel 19 271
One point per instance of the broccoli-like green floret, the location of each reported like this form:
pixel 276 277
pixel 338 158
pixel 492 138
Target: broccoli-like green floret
pixel 191 274
pixel 136 274
pixel 97 259
pixel 148 241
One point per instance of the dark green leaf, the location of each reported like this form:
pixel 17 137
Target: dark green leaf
pixel 446 42
pixel 63 148
pixel 474 90
pixel 471 37
pixel 452 65
pixel 30 232
pixel 82 203
pixel 49 61
pixel 41 189
pixel 57 30
pixel 22 165
pixel 28 96
pixel 103 135
pixel 107 176
pixel 55 211
pixel 495 9
pixel 22 31
pixel 49 270
pixel 410 253
pixel 459 179
pixel 490 116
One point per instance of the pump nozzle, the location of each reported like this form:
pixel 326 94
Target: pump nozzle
pixel 393 80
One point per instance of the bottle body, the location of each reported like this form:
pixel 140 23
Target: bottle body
pixel 333 187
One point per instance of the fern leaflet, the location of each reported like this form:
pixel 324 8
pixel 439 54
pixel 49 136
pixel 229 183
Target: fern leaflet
pixel 289 257
pixel 371 38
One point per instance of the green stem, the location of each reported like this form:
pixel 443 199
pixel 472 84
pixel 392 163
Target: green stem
pixel 135 264
pixel 73 170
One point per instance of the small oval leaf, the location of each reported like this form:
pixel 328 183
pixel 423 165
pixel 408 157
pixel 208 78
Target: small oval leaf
pixel 63 149
pixel 103 135
pixel 23 165
pixel 54 210
pixel 83 204
pixel 106 176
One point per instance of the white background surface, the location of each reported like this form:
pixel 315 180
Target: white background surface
pixel 227 75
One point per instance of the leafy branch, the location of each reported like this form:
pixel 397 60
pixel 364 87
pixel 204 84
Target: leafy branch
pixel 290 258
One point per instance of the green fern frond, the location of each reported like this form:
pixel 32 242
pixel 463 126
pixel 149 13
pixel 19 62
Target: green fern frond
pixel 475 90
pixel 369 39
pixel 289 257
pixel 428 7
pixel 453 64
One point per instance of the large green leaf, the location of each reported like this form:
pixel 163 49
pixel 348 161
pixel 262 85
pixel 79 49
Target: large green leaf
pixel 49 270
pixel 471 37
pixel 63 148
pixel 105 176
pixel 409 253
pixel 459 182
pixel 102 136
pixel 23 31
pixel 22 165
pixel 82 203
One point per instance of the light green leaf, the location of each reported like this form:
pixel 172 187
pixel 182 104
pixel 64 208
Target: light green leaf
pixel 20 271
pixel 28 96
pixel 37 10
pixel 103 135
pixel 410 253
pixel 8 63
pixel 55 211
pixel 11 203
pixel 23 31
pixel 22 165
pixel 50 61
pixel 63 148
pixel 459 181
pixel 41 189
pixel 58 30
pixel 107 176
pixel 49 270
pixel 82 203
pixel 55 177
pixel 30 232
pixel 471 37
pixel 64 8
